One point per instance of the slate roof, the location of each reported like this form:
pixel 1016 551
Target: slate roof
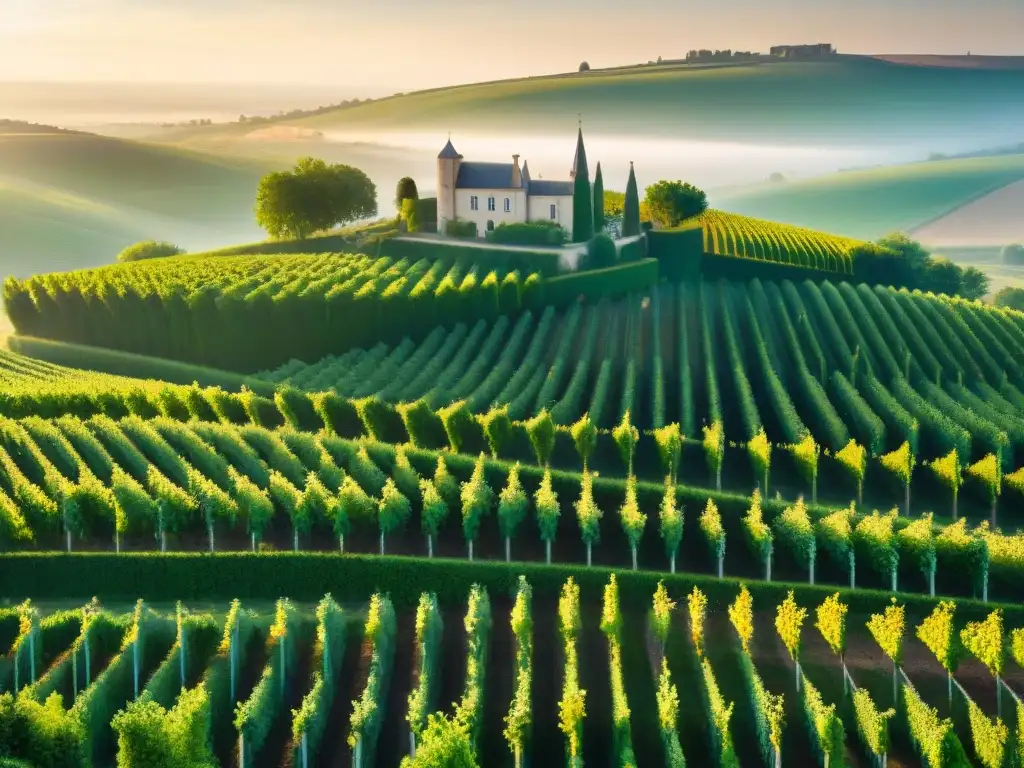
pixel 550 188
pixel 449 153
pixel 474 175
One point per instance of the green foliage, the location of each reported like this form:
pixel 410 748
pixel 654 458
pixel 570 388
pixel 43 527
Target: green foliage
pixel 469 710
pixel 633 520
pixel 988 472
pixel 757 533
pixel 888 630
pixel 991 738
pixel 938 633
pixel 626 436
pixel 631 206
pixel 872 724
pixel 588 515
pixel 671 202
pixel 497 429
pixel 935 740
pixel 793 530
pixel 513 504
pixel 477 497
pixel 405 190
pixel 584 436
pixel 670 519
pixel 393 508
pixel 541 232
pixel 831 623
pixel 875 539
pixel 826 727
pixel 741 614
pixel 541 431
pixel 367 712
pixel 714 532
pixel 519 720
pixel 662 608
pixel 429 633
pixel 986 641
pixel 572 705
pixel 668 714
pixel 789 620
pixel 148 249
pixel 601 253
pixel 313 197
pixel 444 743
pixel 545 502
pixel 670 446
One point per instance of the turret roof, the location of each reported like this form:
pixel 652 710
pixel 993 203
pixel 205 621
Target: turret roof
pixel 449 153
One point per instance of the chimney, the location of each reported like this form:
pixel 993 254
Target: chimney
pixel 517 175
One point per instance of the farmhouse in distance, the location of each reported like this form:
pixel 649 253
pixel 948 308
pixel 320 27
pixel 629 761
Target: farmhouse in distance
pixel 489 194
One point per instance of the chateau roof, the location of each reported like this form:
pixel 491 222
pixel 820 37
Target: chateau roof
pixel 449 153
pixel 475 175
pixel 550 188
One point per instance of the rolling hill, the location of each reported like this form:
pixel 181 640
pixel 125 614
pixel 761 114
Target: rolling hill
pixel 870 203
pixel 72 199
pixel 851 99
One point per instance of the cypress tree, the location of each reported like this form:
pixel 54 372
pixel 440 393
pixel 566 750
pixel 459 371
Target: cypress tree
pixel 582 200
pixel 631 207
pixel 598 200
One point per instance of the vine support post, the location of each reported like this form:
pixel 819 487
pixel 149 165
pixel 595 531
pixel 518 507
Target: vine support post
pixel 721 565
pixel 768 567
pixel 295 540
pixel 547 551
pixel 853 568
pixel 341 543
pixel 382 542
pixel 931 580
pixel 589 554
pixel 470 550
pixel 672 563
pixel 305 750
pixel 253 541
pixel 634 556
pixel 508 549
pixel 430 545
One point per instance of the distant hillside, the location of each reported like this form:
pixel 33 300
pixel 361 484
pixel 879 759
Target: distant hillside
pixel 70 199
pixel 851 98
pixel 870 203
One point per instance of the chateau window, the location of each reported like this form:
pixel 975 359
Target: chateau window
pixel 554 212
pixel 508 205
pixel 490 203
pixel 474 203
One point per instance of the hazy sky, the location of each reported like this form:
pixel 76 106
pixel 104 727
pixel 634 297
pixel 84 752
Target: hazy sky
pixel 408 44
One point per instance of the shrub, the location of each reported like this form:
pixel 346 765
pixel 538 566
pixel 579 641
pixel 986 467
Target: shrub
pixel 459 228
pixel 540 232
pixel 671 202
pixel 148 249
pixel 601 252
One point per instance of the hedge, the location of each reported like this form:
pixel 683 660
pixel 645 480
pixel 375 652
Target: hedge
pixel 492 256
pixel 620 280
pixel 632 248
pixel 120 363
pixel 307 576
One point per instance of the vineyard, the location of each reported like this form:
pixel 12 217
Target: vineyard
pixel 421 512
pixel 499 678
pixel 729 234
pixel 170 307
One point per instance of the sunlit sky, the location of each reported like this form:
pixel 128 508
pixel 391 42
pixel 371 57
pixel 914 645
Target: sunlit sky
pixel 408 44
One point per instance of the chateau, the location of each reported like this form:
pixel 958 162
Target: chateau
pixel 489 194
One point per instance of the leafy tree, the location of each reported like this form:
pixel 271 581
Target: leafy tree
pixel 1011 298
pixel 588 514
pixel 584 435
pixel 148 249
pixel 662 607
pixel 584 67
pixel 626 436
pixel 633 520
pixel 888 630
pixel 410 214
pixel 973 283
pixel 986 641
pixel 435 510
pixel 697 607
pixel 513 504
pixel 789 622
pixel 541 431
pixel 938 633
pixel 393 510
pixel 670 517
pixel 831 623
pixel 741 614
pixel 476 496
pixel 405 190
pixel 545 501
pixel 671 202
pixel 670 447
pixel 313 197
pixel 614 202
